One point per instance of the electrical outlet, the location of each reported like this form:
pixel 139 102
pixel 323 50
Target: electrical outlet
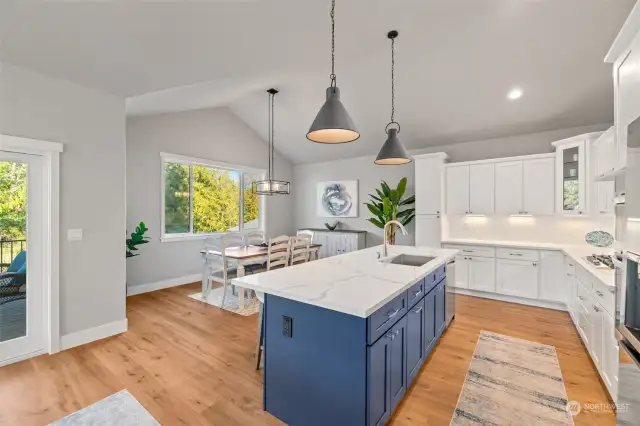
pixel 287 326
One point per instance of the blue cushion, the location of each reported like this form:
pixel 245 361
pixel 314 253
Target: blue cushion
pixel 18 262
pixel 23 269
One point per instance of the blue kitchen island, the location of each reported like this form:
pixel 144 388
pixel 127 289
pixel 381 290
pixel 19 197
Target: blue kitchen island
pixel 346 336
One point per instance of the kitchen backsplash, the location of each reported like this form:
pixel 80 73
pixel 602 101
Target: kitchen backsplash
pixel 550 229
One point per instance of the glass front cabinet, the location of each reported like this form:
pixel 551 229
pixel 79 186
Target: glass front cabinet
pixel 571 175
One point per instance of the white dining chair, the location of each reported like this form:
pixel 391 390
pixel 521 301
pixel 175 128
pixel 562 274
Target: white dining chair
pixel 221 268
pixel 306 232
pixel 278 253
pixel 300 249
pixel 254 238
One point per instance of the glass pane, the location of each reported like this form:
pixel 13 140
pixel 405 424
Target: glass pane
pixel 251 208
pixel 216 200
pixel 571 185
pixel 13 255
pixel 176 198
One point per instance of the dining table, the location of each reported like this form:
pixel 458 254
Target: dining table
pixel 243 256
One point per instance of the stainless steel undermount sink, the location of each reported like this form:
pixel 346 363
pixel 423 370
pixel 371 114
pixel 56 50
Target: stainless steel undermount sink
pixel 410 260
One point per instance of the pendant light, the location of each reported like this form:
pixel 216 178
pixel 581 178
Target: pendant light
pixel 270 186
pixel 333 123
pixel 392 152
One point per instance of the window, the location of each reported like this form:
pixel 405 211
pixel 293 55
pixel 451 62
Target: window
pixel 202 197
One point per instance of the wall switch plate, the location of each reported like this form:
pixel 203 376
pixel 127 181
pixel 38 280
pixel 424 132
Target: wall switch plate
pixel 287 326
pixel 74 234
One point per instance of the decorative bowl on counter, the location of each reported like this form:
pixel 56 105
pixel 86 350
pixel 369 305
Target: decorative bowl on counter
pixel 331 226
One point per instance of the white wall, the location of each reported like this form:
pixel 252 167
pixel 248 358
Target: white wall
pixel 91 125
pixel 213 134
pixel 306 176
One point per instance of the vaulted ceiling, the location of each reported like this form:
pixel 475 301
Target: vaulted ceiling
pixel 455 62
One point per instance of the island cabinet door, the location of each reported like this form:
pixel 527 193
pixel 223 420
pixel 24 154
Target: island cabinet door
pixel 440 301
pixel 378 386
pixel 415 340
pixel 398 371
pixel 429 321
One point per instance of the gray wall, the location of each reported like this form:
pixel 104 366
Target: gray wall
pixel 213 134
pixel 306 176
pixel 91 125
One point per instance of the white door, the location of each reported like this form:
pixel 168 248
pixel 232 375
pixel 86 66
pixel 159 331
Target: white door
pixel 428 231
pixel 509 187
pixel 482 274
pixel 457 189
pixel 481 189
pixel 539 186
pixel 22 321
pixel 462 272
pixel 553 285
pixel 428 186
pixel 517 278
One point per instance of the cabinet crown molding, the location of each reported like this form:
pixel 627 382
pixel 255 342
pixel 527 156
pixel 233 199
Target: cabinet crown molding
pixel 578 138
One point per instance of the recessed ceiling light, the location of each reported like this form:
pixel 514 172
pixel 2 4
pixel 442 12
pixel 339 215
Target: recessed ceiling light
pixel 514 94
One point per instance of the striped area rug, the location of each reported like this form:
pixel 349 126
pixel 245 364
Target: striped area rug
pixel 512 382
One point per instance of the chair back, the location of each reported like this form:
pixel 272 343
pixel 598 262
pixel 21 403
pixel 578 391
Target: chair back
pixel 278 252
pixel 220 243
pixel 306 232
pixel 18 261
pixel 254 238
pixel 300 249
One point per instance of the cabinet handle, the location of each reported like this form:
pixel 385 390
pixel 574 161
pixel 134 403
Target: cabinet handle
pixel 393 334
pixel 515 254
pixel 535 264
pixel 417 311
pixel 416 293
pixel 392 314
pixel 467 251
pixel 612 291
pixel 580 297
pixel 599 293
pixel 438 211
pixel 595 308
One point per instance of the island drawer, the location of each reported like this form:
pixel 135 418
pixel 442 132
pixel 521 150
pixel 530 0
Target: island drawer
pixel 384 318
pixel 431 280
pixel 415 293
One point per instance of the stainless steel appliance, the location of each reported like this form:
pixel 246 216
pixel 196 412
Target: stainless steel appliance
pixel 450 296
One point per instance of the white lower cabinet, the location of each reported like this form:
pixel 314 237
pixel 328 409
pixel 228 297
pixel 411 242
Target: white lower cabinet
pixel 610 356
pixel 482 274
pixel 462 272
pixel 517 278
pixel 552 277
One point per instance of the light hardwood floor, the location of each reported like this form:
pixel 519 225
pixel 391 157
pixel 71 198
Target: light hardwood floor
pixel 193 364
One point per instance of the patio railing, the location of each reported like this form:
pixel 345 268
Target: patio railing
pixel 8 250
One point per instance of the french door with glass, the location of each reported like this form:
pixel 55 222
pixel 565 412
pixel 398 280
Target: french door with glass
pixel 22 292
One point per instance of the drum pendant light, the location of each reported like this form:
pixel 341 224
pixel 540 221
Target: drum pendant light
pixel 270 186
pixel 333 123
pixel 392 152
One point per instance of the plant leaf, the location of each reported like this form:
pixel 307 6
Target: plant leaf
pixel 374 209
pixel 404 213
pixel 380 194
pixel 385 189
pixel 394 197
pixel 409 200
pixel 376 222
pixel 407 220
pixel 375 198
pixel 402 187
pixel 386 206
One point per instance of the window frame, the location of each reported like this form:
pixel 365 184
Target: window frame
pixel 192 161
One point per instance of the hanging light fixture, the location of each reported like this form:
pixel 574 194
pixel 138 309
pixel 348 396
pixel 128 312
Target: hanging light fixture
pixel 392 152
pixel 270 186
pixel 333 123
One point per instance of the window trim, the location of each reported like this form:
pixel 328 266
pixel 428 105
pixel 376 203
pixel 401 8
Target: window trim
pixel 193 161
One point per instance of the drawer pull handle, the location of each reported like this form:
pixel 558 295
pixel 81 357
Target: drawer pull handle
pixel 612 291
pixel 468 251
pixel 515 254
pixel 416 293
pixel 599 293
pixel 580 297
pixel 392 314
pixel 595 308
pixel 417 311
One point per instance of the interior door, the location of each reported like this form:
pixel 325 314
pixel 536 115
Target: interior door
pixel 21 258
pixel 509 187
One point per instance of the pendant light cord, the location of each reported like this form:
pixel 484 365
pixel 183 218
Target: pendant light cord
pixel 273 133
pixel 333 43
pixel 270 142
pixel 393 80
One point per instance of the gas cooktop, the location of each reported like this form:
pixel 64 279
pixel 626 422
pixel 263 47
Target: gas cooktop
pixel 601 261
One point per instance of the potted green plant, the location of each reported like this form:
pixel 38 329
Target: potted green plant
pixel 136 239
pixel 390 204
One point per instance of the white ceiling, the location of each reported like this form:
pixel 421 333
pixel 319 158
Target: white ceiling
pixel 455 61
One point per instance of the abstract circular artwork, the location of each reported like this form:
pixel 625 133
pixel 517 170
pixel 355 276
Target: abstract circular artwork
pixel 337 199
pixel 599 238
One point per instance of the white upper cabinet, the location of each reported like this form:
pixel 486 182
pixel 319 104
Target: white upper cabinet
pixel 605 192
pixel 457 178
pixel 481 188
pixel 539 182
pixel 429 185
pixel 605 153
pixel 428 231
pixel 509 187
pixel 571 176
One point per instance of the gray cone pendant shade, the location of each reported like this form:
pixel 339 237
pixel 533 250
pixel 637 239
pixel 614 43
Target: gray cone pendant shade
pixel 392 152
pixel 333 123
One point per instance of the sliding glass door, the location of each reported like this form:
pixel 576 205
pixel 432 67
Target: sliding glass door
pixel 21 256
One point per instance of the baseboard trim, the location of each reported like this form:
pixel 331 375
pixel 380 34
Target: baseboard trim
pixel 159 285
pixel 558 306
pixel 22 357
pixel 89 335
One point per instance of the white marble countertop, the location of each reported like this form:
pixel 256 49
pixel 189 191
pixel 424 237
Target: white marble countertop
pixel 355 283
pixel 576 252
